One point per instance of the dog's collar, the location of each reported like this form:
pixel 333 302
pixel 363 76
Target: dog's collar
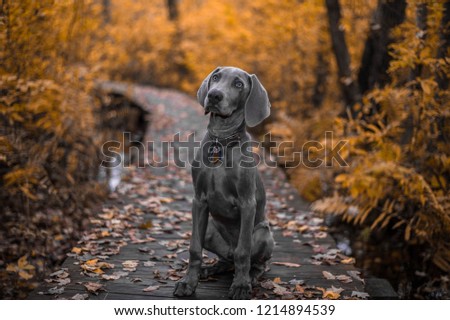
pixel 229 140
pixel 218 144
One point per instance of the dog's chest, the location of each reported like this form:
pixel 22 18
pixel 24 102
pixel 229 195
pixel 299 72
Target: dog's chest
pixel 219 189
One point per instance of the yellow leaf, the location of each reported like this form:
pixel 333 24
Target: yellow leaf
pixel 428 86
pixel 408 232
pixel 105 233
pixel 23 264
pixel 348 261
pixel 25 275
pixel 97 271
pixel 76 250
pixel 11 267
pixel 341 178
pixel 331 295
pixel 91 262
pixel 378 220
pixel 277 280
pixel 165 200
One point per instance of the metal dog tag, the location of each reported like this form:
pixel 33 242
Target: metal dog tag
pixel 215 152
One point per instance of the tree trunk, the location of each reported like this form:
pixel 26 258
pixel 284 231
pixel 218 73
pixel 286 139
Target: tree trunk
pixel 177 54
pixel 321 79
pixel 376 58
pixel 444 36
pixel 172 6
pixel 106 11
pixel 349 87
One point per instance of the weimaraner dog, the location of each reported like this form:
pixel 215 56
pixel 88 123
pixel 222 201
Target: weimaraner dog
pixel 228 215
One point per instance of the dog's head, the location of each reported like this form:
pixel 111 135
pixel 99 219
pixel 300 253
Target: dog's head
pixel 228 89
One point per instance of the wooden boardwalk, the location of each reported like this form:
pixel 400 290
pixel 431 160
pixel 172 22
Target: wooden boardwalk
pixel 137 245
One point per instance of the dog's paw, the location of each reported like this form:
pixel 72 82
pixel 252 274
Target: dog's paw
pixel 240 291
pixel 184 288
pixel 256 273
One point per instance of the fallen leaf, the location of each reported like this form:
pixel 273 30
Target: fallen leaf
pixel 80 296
pixel 279 290
pixel 22 268
pixel 287 264
pixel 320 235
pixel 93 287
pixel 76 250
pixel 303 228
pixel 150 288
pixel 149 264
pixel 332 293
pixel 63 282
pixel 348 261
pixel 287 233
pixel 107 216
pixel 334 289
pixel 56 290
pixel 343 278
pixel 296 281
pixel 328 275
pixel 91 262
pixel 175 277
pixel 105 265
pixel 92 267
pixel 136 280
pixel 146 225
pixel 355 275
pixel 104 234
pixel 60 273
pixel 165 200
pixel 277 280
pixel 25 275
pixel 110 276
pixel 299 288
pixel 23 264
pixel 268 284
pixel 130 265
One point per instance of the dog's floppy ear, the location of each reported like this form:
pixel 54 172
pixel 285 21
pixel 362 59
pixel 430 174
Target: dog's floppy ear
pixel 204 88
pixel 257 106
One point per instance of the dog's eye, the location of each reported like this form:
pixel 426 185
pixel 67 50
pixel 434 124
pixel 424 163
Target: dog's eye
pixel 239 84
pixel 215 77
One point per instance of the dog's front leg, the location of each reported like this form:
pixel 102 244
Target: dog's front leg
pixel 241 287
pixel 187 285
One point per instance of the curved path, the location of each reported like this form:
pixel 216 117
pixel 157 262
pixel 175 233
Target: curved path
pixel 137 245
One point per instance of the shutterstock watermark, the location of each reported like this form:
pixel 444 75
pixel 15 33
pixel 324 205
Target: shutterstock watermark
pixel 250 153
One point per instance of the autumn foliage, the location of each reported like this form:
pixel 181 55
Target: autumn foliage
pixel 49 143
pixel 398 131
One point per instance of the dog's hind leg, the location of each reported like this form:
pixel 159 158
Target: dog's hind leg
pixel 215 243
pixel 262 248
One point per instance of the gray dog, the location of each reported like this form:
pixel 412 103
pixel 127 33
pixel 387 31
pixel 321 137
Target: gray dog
pixel 228 216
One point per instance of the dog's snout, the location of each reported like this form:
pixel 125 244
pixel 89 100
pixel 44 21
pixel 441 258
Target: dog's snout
pixel 215 96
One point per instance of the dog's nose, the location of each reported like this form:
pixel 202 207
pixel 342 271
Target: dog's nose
pixel 215 96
